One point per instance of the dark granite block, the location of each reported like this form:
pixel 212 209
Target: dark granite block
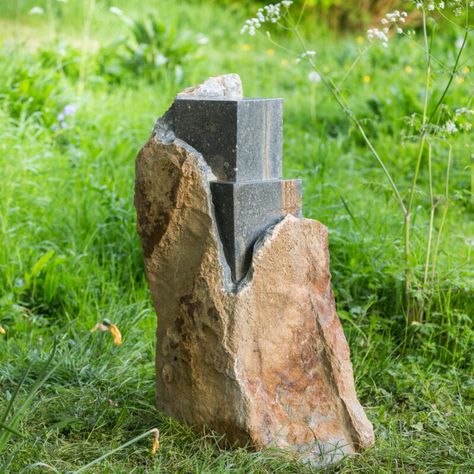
pixel 245 210
pixel 241 139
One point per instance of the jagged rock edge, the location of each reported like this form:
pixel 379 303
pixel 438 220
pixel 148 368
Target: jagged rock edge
pixel 163 131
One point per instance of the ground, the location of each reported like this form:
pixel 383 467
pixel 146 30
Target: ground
pixel 70 256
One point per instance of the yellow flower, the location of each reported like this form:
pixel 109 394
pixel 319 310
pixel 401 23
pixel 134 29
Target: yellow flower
pixel 408 69
pixel 465 70
pixel 245 47
pixel 459 80
pixel 284 62
pixel 106 325
pixel 271 52
pixel 360 39
pixel 2 330
pixel 367 79
pixel 156 441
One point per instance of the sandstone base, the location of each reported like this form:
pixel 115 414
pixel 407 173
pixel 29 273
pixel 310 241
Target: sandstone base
pixel 265 363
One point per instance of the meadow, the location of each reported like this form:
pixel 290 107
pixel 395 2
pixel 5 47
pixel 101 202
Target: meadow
pixel 81 87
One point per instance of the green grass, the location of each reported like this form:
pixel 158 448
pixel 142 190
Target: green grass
pixel 70 256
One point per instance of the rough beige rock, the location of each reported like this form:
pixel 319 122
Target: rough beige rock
pixel 227 85
pixel 266 363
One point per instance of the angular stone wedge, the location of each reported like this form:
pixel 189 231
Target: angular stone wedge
pixel 265 363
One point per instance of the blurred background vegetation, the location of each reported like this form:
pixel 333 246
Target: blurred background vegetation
pixel 81 85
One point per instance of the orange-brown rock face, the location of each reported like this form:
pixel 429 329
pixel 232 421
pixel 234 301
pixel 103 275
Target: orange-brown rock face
pixel 265 362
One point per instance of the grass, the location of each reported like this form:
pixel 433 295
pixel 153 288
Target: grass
pixel 70 257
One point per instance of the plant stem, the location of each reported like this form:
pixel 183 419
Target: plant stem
pixel 411 196
pixel 430 230
pixel 443 217
pixel 451 76
pixel 113 451
pixel 346 109
pixel 85 38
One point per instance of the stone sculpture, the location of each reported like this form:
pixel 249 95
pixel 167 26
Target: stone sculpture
pixel 248 341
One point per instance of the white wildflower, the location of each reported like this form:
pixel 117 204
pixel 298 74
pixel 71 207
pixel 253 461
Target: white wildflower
pixel 390 20
pixel 464 111
pixel 374 34
pixel 36 11
pixel 314 77
pixel 450 127
pixel 459 43
pixel 160 60
pixel 306 55
pixel 116 11
pixel 268 14
pixel 202 39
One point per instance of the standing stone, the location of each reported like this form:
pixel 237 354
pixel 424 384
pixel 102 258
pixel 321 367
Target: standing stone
pixel 258 355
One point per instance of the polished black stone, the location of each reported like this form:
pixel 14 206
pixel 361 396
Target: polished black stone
pixel 243 212
pixel 241 139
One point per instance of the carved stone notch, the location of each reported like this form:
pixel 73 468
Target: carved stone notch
pixel 241 140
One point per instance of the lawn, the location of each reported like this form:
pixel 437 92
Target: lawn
pixel 77 101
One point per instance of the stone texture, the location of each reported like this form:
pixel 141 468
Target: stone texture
pixel 264 362
pixel 244 211
pixel 240 139
pixel 227 85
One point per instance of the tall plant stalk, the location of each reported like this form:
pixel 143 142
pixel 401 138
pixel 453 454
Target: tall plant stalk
pixel 414 308
pixel 85 45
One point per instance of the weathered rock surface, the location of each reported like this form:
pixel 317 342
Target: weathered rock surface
pixel 228 85
pixel 266 363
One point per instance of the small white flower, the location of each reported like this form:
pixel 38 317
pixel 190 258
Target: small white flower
pixel 202 39
pixel 160 59
pixel 464 111
pixel 36 11
pixel 450 127
pixel 392 19
pixel 116 11
pixel 314 77
pixel 459 43
pixel 268 14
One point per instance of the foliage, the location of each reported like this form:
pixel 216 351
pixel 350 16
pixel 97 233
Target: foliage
pixel 29 90
pixel 432 125
pixel 70 257
pixel 154 51
pixel 12 414
pixel 342 15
